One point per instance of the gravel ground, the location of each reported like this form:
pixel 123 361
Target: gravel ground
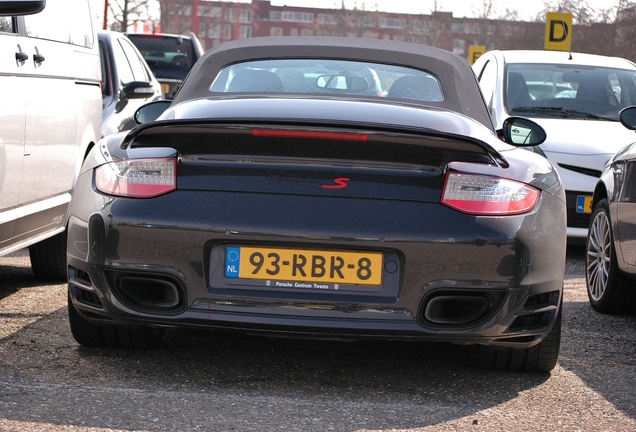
pixel 201 380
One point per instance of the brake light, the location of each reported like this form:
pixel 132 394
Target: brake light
pixel 137 178
pixel 287 133
pixel 485 195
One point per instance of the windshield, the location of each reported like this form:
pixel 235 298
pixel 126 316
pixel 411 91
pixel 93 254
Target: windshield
pixel 322 76
pixel 552 90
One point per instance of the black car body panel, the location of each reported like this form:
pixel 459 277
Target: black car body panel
pixel 325 184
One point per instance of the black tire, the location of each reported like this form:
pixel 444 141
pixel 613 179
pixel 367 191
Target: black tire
pixel 608 289
pixel 48 258
pixel 539 358
pixel 111 336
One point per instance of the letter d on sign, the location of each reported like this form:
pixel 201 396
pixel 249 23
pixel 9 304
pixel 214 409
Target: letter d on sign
pixel 558 31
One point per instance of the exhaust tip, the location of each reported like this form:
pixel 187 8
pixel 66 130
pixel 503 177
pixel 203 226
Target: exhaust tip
pixel 149 293
pixel 459 308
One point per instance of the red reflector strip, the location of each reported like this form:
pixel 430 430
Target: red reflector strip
pixel 285 133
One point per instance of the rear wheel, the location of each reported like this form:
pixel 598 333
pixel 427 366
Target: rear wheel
pixel 111 336
pixel 48 258
pixel 539 358
pixel 608 289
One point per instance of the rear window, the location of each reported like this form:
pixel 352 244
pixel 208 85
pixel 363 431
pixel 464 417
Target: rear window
pixel 165 53
pixel 335 77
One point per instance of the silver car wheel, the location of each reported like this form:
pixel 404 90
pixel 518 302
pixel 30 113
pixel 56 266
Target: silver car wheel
pixel 599 254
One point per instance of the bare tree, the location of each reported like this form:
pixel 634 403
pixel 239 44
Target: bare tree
pixel 582 12
pixel 126 12
pixel 625 36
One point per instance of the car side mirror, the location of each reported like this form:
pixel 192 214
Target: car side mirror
pixel 21 7
pixel 137 90
pixel 522 132
pixel 134 90
pixel 627 117
pixel 151 111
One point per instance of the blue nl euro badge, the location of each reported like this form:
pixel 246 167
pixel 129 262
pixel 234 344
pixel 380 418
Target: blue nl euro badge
pixel 232 261
pixel 580 204
pixel 584 204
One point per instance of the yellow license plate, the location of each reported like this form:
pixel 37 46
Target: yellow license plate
pixel 295 265
pixel 165 88
pixel 584 204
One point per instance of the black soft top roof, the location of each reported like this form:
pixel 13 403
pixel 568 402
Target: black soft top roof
pixel 461 90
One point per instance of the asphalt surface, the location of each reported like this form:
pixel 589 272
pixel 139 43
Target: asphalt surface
pixel 201 380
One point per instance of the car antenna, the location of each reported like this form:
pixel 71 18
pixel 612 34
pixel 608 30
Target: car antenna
pixel 565 31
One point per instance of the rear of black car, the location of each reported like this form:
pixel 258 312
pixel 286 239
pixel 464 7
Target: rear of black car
pixel 169 56
pixel 299 228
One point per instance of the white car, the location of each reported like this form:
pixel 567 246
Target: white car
pixel 51 115
pixel 576 98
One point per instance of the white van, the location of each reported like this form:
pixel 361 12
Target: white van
pixel 50 116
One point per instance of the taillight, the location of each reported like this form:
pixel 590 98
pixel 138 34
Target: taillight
pixel 485 195
pixel 137 178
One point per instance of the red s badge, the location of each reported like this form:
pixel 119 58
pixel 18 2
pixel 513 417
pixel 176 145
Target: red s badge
pixel 341 183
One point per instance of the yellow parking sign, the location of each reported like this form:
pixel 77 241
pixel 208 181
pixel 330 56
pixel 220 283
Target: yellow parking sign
pixel 474 51
pixel 558 31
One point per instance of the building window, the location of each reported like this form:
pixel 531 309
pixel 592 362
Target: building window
pixel 395 23
pixel 306 32
pixel 276 31
pixel 227 31
pixel 214 31
pixel 305 17
pixel 420 27
pixel 324 18
pixel 293 32
pixel 210 11
pixel 187 11
pixel 246 32
pixel 274 16
pixel 459 46
pixel 245 15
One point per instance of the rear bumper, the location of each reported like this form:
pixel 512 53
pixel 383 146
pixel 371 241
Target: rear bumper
pixel 461 279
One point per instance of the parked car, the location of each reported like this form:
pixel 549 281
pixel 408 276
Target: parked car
pixel 610 251
pixel 577 104
pixel 169 56
pixel 127 82
pixel 332 212
pixel 50 80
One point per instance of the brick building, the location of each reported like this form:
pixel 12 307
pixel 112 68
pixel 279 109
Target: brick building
pixel 219 22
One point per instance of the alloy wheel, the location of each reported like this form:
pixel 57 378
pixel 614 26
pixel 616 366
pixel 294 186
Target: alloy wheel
pixel 599 254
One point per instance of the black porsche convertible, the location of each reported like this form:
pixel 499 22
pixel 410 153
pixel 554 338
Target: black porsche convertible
pixel 324 188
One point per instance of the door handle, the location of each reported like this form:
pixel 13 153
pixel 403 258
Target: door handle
pixel 38 58
pixel 21 57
